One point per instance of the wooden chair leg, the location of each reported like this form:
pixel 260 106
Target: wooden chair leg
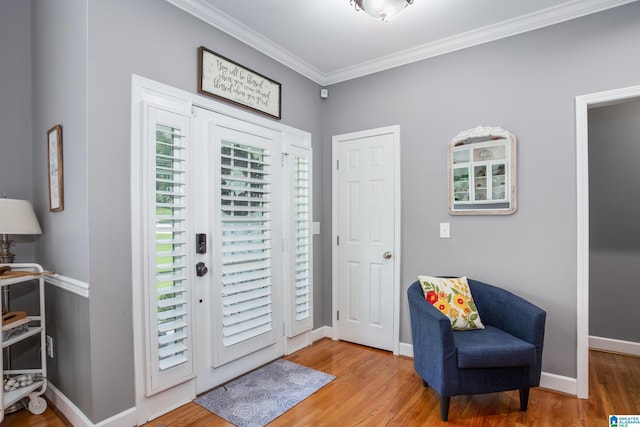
pixel 524 398
pixel 444 408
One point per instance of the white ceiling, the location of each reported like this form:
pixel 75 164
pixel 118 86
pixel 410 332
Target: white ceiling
pixel 329 42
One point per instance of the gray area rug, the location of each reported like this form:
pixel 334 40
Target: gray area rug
pixel 260 396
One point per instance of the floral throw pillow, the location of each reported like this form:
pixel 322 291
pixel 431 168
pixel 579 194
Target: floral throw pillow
pixel 453 298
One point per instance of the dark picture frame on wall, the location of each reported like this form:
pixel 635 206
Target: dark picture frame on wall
pixel 56 176
pixel 229 81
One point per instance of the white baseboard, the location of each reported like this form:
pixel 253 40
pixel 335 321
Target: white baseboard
pixel 78 419
pixel 559 383
pixel 123 419
pixel 293 344
pixel 405 349
pixel 321 332
pixel 75 416
pixel 617 346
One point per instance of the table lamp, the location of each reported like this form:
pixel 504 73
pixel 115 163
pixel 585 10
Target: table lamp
pixel 16 218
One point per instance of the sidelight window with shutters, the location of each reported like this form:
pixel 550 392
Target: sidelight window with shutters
pixel 167 288
pixel 298 260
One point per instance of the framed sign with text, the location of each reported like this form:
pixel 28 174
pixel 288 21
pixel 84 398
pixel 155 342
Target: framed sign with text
pixel 227 80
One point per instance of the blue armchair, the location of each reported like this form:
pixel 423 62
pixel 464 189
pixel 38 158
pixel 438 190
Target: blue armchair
pixel 506 355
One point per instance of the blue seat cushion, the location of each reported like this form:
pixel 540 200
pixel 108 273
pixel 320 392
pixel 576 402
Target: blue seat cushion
pixel 492 348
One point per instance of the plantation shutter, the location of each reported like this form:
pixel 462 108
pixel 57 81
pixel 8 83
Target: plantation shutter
pixel 300 307
pixel 302 204
pixel 168 292
pixel 246 244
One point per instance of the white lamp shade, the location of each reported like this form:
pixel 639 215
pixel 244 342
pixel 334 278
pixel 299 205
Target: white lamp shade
pixel 18 217
pixel 383 9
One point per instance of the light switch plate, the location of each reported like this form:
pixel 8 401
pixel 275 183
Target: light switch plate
pixel 445 230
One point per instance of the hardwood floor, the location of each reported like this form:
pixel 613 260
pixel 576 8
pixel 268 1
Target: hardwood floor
pixel 50 418
pixel 374 388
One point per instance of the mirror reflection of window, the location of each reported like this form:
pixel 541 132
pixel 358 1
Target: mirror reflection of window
pixel 482 172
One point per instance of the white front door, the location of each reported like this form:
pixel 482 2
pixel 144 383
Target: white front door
pixel 198 173
pixel 366 237
pixel 237 204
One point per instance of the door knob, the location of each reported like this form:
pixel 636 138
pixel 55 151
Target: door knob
pixel 386 255
pixel 201 269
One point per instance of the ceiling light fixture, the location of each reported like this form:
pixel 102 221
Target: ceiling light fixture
pixel 381 9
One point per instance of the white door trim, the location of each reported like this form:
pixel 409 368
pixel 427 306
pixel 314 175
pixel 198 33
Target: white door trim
pixel 583 103
pixel 395 130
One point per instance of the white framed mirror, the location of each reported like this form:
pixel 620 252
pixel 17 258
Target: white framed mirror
pixel 482 172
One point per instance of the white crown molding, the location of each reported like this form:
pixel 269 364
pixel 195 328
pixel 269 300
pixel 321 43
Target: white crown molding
pixel 543 18
pixel 212 16
pixel 533 21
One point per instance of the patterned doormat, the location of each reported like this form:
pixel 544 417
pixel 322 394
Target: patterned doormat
pixel 257 398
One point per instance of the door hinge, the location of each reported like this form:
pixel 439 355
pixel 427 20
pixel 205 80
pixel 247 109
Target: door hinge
pixel 338 315
pixel 337 240
pixel 282 157
pixel 338 164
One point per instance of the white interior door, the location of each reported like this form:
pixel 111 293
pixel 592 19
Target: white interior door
pixel 237 204
pixel 366 232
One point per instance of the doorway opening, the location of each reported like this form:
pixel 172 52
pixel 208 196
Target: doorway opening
pixel 583 103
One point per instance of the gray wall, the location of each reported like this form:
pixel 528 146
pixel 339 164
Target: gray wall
pixel 526 84
pixel 614 209
pixel 59 55
pixel 59 87
pixel 15 109
pixel 85 52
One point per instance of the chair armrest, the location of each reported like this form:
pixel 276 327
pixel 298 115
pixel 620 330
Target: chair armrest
pixel 509 312
pixel 513 314
pixel 434 353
